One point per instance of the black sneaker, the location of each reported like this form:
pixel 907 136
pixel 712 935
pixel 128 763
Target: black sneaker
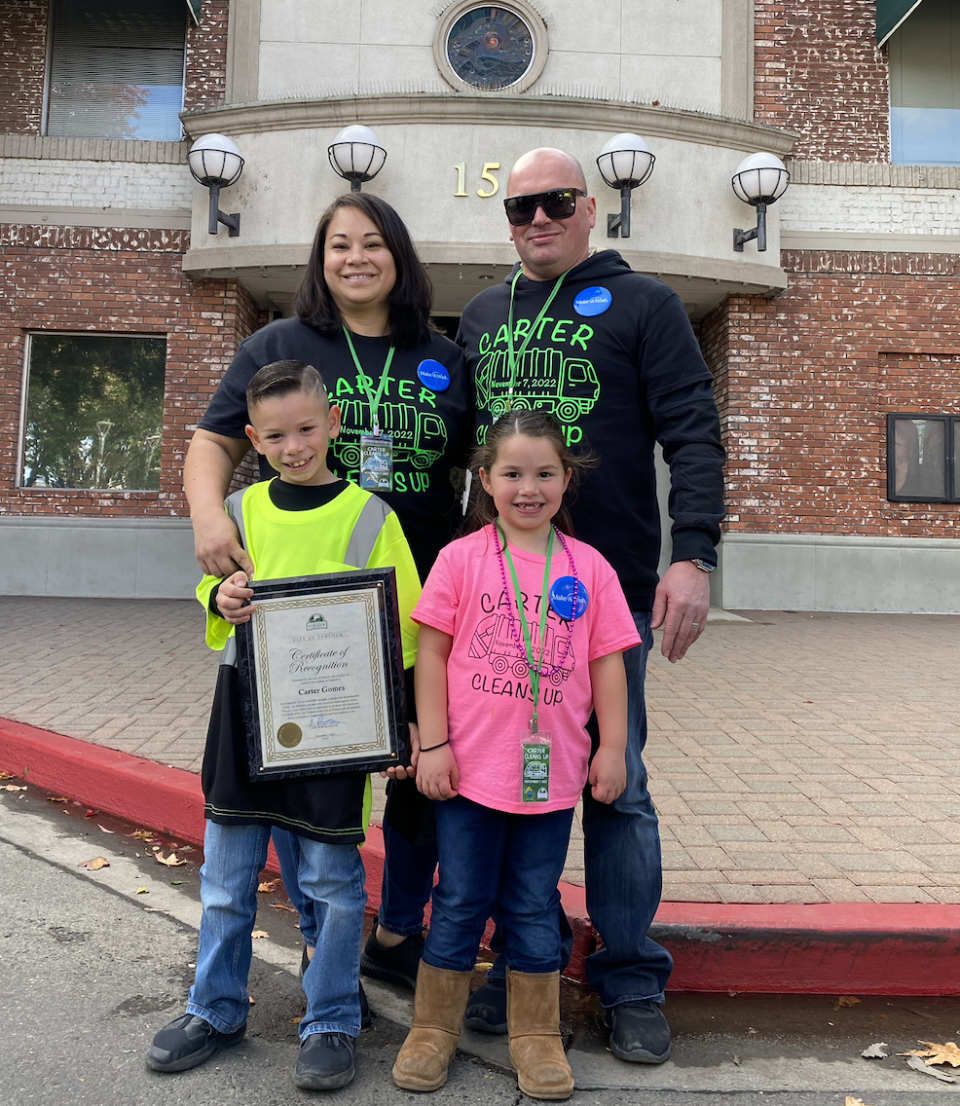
pixel 639 1032
pixel 487 1008
pixel 397 965
pixel 326 1061
pixel 365 1020
pixel 188 1041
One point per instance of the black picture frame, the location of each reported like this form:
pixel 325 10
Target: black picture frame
pixel 382 744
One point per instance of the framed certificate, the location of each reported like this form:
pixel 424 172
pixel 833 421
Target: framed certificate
pixel 321 675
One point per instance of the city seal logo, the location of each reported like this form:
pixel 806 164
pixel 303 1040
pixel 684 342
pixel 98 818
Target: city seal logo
pixel 433 375
pixel 316 622
pixel 289 735
pixel 592 301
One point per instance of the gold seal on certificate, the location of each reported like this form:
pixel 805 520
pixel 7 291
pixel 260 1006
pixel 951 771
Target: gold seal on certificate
pixel 321 669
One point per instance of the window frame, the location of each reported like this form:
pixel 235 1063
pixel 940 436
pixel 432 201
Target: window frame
pixel 952 486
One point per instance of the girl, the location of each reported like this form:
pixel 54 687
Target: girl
pixel 521 634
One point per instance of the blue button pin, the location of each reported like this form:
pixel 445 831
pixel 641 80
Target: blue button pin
pixel 561 597
pixel 592 301
pixel 433 375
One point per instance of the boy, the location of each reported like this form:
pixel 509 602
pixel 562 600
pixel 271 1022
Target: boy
pixel 303 522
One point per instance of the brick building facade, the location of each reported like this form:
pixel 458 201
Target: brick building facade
pixel 853 319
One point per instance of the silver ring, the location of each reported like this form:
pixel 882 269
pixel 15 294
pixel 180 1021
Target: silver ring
pixel 695 625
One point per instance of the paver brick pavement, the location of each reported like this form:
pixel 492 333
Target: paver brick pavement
pixel 793 757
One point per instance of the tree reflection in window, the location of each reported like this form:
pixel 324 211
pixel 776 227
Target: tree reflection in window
pixel 94 412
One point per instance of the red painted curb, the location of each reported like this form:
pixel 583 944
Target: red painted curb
pixel 829 948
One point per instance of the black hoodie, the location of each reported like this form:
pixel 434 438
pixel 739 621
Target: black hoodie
pixel 617 379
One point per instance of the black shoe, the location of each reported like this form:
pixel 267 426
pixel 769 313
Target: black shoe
pixel 638 1032
pixel 186 1042
pixel 365 1020
pixel 397 965
pixel 487 1008
pixel 326 1061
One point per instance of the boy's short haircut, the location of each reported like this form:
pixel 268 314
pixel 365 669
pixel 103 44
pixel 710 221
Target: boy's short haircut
pixel 280 378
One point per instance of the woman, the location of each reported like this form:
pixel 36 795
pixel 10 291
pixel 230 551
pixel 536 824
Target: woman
pixel 362 319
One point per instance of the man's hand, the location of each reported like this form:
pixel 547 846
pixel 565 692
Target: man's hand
pixel 233 599
pixel 408 772
pixel 680 606
pixel 217 545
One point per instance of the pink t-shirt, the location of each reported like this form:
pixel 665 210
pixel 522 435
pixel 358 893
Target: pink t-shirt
pixel 488 687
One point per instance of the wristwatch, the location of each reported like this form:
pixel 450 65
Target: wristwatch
pixel 702 565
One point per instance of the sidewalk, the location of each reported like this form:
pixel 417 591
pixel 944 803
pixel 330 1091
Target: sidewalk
pixel 794 758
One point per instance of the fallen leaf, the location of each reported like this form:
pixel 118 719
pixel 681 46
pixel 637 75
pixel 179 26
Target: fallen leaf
pixel 171 861
pixel 936 1053
pixel 90 813
pixel 877 1051
pixel 851 1101
pixel 845 1001
pixel 177 882
pixel 7 776
pixel 142 891
pixel 918 1065
pixel 57 799
pixel 141 835
pixel 13 787
pixel 737 1060
pixel 187 849
pixel 481 966
pixel 283 906
pixel 104 828
pixel 94 863
pixel 259 933
pixel 750 1029
pixel 267 886
pixel 294 1021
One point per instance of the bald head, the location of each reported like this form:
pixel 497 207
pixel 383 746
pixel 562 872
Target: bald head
pixel 549 247
pixel 556 163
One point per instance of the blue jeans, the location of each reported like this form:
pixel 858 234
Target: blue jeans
pixel 621 855
pixel 491 860
pixel 330 876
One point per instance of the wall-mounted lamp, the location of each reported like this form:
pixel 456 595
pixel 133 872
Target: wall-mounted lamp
pixel 215 162
pixel 625 162
pixel 356 154
pixel 760 179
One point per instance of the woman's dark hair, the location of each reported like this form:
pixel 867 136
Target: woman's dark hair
pixel 482 510
pixel 280 378
pixel 410 298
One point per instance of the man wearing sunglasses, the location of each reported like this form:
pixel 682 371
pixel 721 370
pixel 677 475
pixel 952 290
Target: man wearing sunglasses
pixel 612 355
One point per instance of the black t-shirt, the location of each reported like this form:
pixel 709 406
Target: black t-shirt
pixel 432 426
pixel 616 362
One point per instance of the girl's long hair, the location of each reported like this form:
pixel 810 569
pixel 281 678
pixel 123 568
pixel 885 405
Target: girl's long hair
pixel 410 298
pixel 482 510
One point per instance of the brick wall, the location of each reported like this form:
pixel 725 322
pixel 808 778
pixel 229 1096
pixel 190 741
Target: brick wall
pixel 91 279
pixel 807 382
pixel 23 59
pixel 819 72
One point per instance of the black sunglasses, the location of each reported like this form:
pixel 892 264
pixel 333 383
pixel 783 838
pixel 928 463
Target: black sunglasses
pixel 558 203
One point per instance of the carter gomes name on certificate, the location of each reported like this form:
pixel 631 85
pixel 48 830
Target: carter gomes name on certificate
pixel 320 678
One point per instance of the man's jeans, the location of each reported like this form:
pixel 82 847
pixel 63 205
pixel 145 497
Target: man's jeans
pixel 621 856
pixel 491 860
pixel 330 877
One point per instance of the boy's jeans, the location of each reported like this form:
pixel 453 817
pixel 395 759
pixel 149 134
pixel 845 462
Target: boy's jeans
pixel 490 859
pixel 331 876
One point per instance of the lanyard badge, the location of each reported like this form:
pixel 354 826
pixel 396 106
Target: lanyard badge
pixel 376 449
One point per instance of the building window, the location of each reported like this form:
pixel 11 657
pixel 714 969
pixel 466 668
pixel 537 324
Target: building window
pixel 490 48
pixel 116 70
pixel 923 458
pixel 925 86
pixel 94 411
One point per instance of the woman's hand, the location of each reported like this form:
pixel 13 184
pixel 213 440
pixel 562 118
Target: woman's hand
pixel 608 775
pixel 233 599
pixel 438 776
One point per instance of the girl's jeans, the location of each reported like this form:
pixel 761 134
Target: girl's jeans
pixel 330 876
pixel 491 860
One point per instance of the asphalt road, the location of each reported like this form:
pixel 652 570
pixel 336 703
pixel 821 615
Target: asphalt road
pixel 90 969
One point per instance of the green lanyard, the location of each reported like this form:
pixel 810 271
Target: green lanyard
pixel 516 356
pixel 534 666
pixel 373 400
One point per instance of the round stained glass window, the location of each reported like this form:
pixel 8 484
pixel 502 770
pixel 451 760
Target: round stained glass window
pixel 490 48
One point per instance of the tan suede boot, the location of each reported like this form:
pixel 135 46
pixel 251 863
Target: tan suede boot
pixel 438 1009
pixel 533 1022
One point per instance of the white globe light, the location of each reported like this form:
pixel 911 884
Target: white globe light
pixel 356 153
pixel 215 159
pixel 625 161
pixel 760 179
